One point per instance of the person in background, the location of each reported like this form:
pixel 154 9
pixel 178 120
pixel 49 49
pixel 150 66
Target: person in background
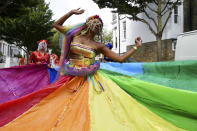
pixel 22 61
pixel 40 56
pixel 106 59
pixel 54 60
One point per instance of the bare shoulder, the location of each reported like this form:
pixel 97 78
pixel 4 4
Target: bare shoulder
pixel 99 46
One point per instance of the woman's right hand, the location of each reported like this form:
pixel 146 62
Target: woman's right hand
pixel 78 11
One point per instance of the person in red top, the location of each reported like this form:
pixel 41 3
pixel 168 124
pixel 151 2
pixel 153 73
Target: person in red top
pixel 40 56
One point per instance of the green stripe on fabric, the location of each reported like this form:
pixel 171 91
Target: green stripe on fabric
pixel 175 74
pixel 174 105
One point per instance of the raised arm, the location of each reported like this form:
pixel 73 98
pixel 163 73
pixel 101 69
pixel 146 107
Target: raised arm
pixel 59 23
pixel 114 56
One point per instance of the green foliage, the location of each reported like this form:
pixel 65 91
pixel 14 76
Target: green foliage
pixel 107 37
pixel 135 7
pixel 131 7
pixel 16 8
pixel 54 42
pixel 27 29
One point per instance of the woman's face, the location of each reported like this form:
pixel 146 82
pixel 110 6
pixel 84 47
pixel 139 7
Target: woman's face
pixel 42 46
pixel 95 26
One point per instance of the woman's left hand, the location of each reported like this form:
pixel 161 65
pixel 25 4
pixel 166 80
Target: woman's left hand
pixel 138 42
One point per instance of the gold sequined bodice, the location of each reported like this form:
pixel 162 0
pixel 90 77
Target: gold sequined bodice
pixel 81 55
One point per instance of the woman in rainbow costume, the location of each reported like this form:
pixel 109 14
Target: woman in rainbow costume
pixel 86 98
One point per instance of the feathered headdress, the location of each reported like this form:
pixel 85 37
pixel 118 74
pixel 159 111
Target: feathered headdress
pixel 42 43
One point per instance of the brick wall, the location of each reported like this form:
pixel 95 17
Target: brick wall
pixel 148 52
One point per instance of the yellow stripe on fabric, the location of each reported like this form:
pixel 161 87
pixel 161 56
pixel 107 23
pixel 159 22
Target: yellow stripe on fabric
pixel 115 110
pixel 66 109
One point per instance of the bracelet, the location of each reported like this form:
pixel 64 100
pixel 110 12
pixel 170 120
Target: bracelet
pixel 135 47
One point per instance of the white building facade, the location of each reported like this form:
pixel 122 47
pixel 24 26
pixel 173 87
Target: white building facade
pixel 9 50
pixel 125 30
pixel 8 53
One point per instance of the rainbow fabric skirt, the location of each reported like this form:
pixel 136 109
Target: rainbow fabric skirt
pixel 160 96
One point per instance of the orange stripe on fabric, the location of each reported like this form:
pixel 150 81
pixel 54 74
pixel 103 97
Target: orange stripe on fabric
pixel 76 116
pixel 65 109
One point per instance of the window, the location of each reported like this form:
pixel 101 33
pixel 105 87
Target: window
pixel 4 49
pixel 176 14
pixel 124 29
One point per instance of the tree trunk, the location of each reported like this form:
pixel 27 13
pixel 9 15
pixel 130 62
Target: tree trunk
pixel 159 30
pixel 159 49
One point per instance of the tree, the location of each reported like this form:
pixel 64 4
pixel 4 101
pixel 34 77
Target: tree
pixel 54 42
pixel 15 8
pixel 156 13
pixel 26 30
pixel 107 37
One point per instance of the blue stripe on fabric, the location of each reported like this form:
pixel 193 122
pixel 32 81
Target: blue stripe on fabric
pixel 52 74
pixel 129 69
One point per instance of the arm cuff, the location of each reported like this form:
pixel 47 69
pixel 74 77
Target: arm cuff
pixel 135 47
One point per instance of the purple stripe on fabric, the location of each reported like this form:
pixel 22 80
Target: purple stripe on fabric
pixel 101 86
pixel 18 81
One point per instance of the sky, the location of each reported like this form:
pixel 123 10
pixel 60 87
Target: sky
pixel 61 7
